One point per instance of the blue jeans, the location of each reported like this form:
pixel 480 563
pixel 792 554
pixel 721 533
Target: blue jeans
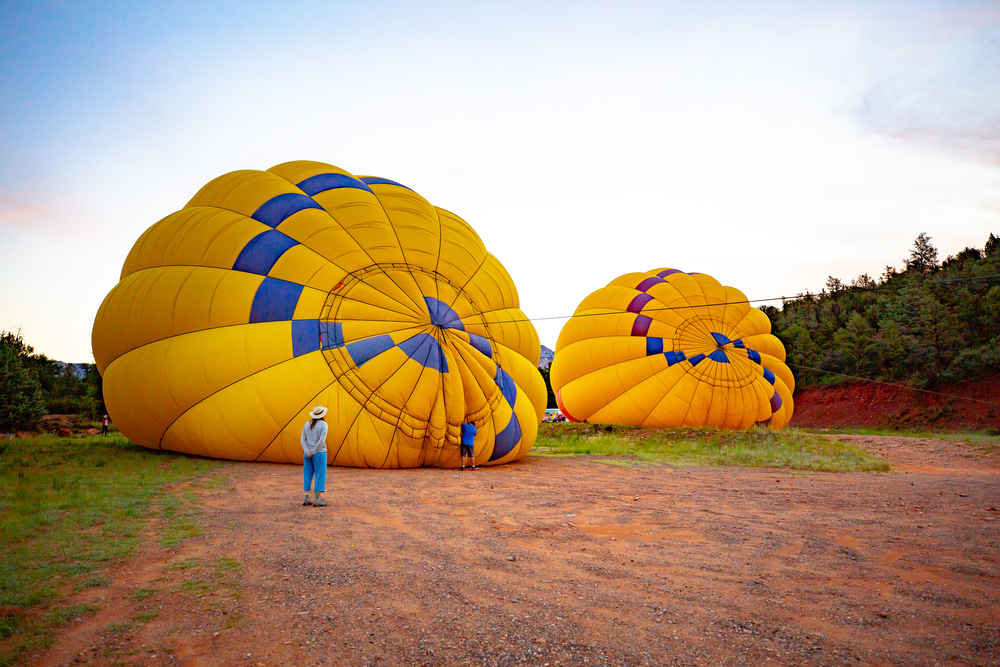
pixel 314 466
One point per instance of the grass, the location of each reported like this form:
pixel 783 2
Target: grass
pixel 133 623
pixel 990 435
pixel 68 509
pixel 755 447
pixel 204 578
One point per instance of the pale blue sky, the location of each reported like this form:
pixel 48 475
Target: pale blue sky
pixel 767 144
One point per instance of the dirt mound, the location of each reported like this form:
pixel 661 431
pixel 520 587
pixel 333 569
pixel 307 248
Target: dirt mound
pixel 884 406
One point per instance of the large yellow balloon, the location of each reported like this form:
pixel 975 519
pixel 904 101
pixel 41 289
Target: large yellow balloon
pixel 668 348
pixel 274 291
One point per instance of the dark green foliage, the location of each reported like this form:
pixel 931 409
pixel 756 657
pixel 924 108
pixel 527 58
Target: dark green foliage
pixel 923 255
pixel 70 389
pixel 21 400
pixel 551 402
pixel 928 324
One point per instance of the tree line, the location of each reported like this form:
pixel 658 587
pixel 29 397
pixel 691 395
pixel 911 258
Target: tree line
pixel 931 322
pixel 32 386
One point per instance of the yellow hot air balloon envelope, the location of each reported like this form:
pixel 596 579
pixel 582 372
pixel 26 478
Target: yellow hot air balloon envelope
pixel 668 348
pixel 274 291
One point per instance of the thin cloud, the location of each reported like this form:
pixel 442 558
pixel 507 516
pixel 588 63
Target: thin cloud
pixel 940 86
pixel 20 215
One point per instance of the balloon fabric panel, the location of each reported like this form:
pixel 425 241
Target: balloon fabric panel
pixel 669 348
pixel 271 292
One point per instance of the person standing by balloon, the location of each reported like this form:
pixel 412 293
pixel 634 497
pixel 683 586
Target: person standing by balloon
pixel 468 440
pixel 314 459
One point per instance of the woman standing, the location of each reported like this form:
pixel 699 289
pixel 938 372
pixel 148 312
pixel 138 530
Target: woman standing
pixel 314 461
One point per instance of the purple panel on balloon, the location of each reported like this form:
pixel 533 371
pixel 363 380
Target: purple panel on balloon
pixel 638 302
pixel 775 402
pixel 641 325
pixel 668 272
pixel 649 282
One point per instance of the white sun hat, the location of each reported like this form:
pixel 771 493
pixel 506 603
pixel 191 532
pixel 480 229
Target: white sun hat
pixel 318 412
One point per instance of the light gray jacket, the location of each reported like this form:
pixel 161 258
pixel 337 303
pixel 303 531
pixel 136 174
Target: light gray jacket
pixel 314 439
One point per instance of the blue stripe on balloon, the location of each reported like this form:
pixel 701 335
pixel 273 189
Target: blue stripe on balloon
pixel 719 356
pixel 323 182
pixel 720 338
pixel 769 376
pixel 506 439
pixel 674 357
pixel 753 355
pixel 425 350
pixel 654 346
pixel 697 359
pixel 274 301
pixel 262 252
pixel 481 344
pixel 739 343
pixel 331 335
pixel 442 315
pixel 363 351
pixel 375 180
pixel 276 209
pixel 305 337
pixel 506 384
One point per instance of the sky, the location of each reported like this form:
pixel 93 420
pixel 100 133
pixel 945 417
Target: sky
pixel 770 145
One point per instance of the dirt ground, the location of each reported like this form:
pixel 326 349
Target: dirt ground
pixel 571 562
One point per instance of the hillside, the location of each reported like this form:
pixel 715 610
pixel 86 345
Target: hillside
pixel 871 405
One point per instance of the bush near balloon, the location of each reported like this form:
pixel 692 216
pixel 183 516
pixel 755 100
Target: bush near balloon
pixel 755 447
pixel 68 510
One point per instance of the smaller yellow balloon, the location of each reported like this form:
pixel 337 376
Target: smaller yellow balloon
pixel 668 348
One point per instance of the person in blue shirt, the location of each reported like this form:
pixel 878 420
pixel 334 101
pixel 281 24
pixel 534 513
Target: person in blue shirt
pixel 468 439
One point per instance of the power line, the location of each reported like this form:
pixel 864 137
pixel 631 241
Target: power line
pixel 783 299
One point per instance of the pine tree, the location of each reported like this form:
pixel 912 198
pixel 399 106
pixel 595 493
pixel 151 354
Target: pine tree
pixel 21 400
pixel 992 246
pixel 923 255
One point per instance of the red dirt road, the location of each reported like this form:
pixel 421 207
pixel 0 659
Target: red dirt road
pixel 614 565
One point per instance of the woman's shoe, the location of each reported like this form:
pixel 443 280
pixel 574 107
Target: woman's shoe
pixel 307 501
pixel 319 503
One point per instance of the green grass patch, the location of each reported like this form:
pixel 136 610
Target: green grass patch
pixel 756 447
pixel 145 617
pixel 988 436
pixel 180 519
pixel 979 442
pixel 226 563
pixel 68 509
pixel 93 582
pixel 132 624
pixel 186 564
pixel 143 593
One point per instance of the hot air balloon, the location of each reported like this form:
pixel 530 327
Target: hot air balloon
pixel 275 291
pixel 668 348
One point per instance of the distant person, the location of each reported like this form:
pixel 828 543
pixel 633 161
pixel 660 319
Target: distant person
pixel 105 422
pixel 468 440
pixel 314 462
